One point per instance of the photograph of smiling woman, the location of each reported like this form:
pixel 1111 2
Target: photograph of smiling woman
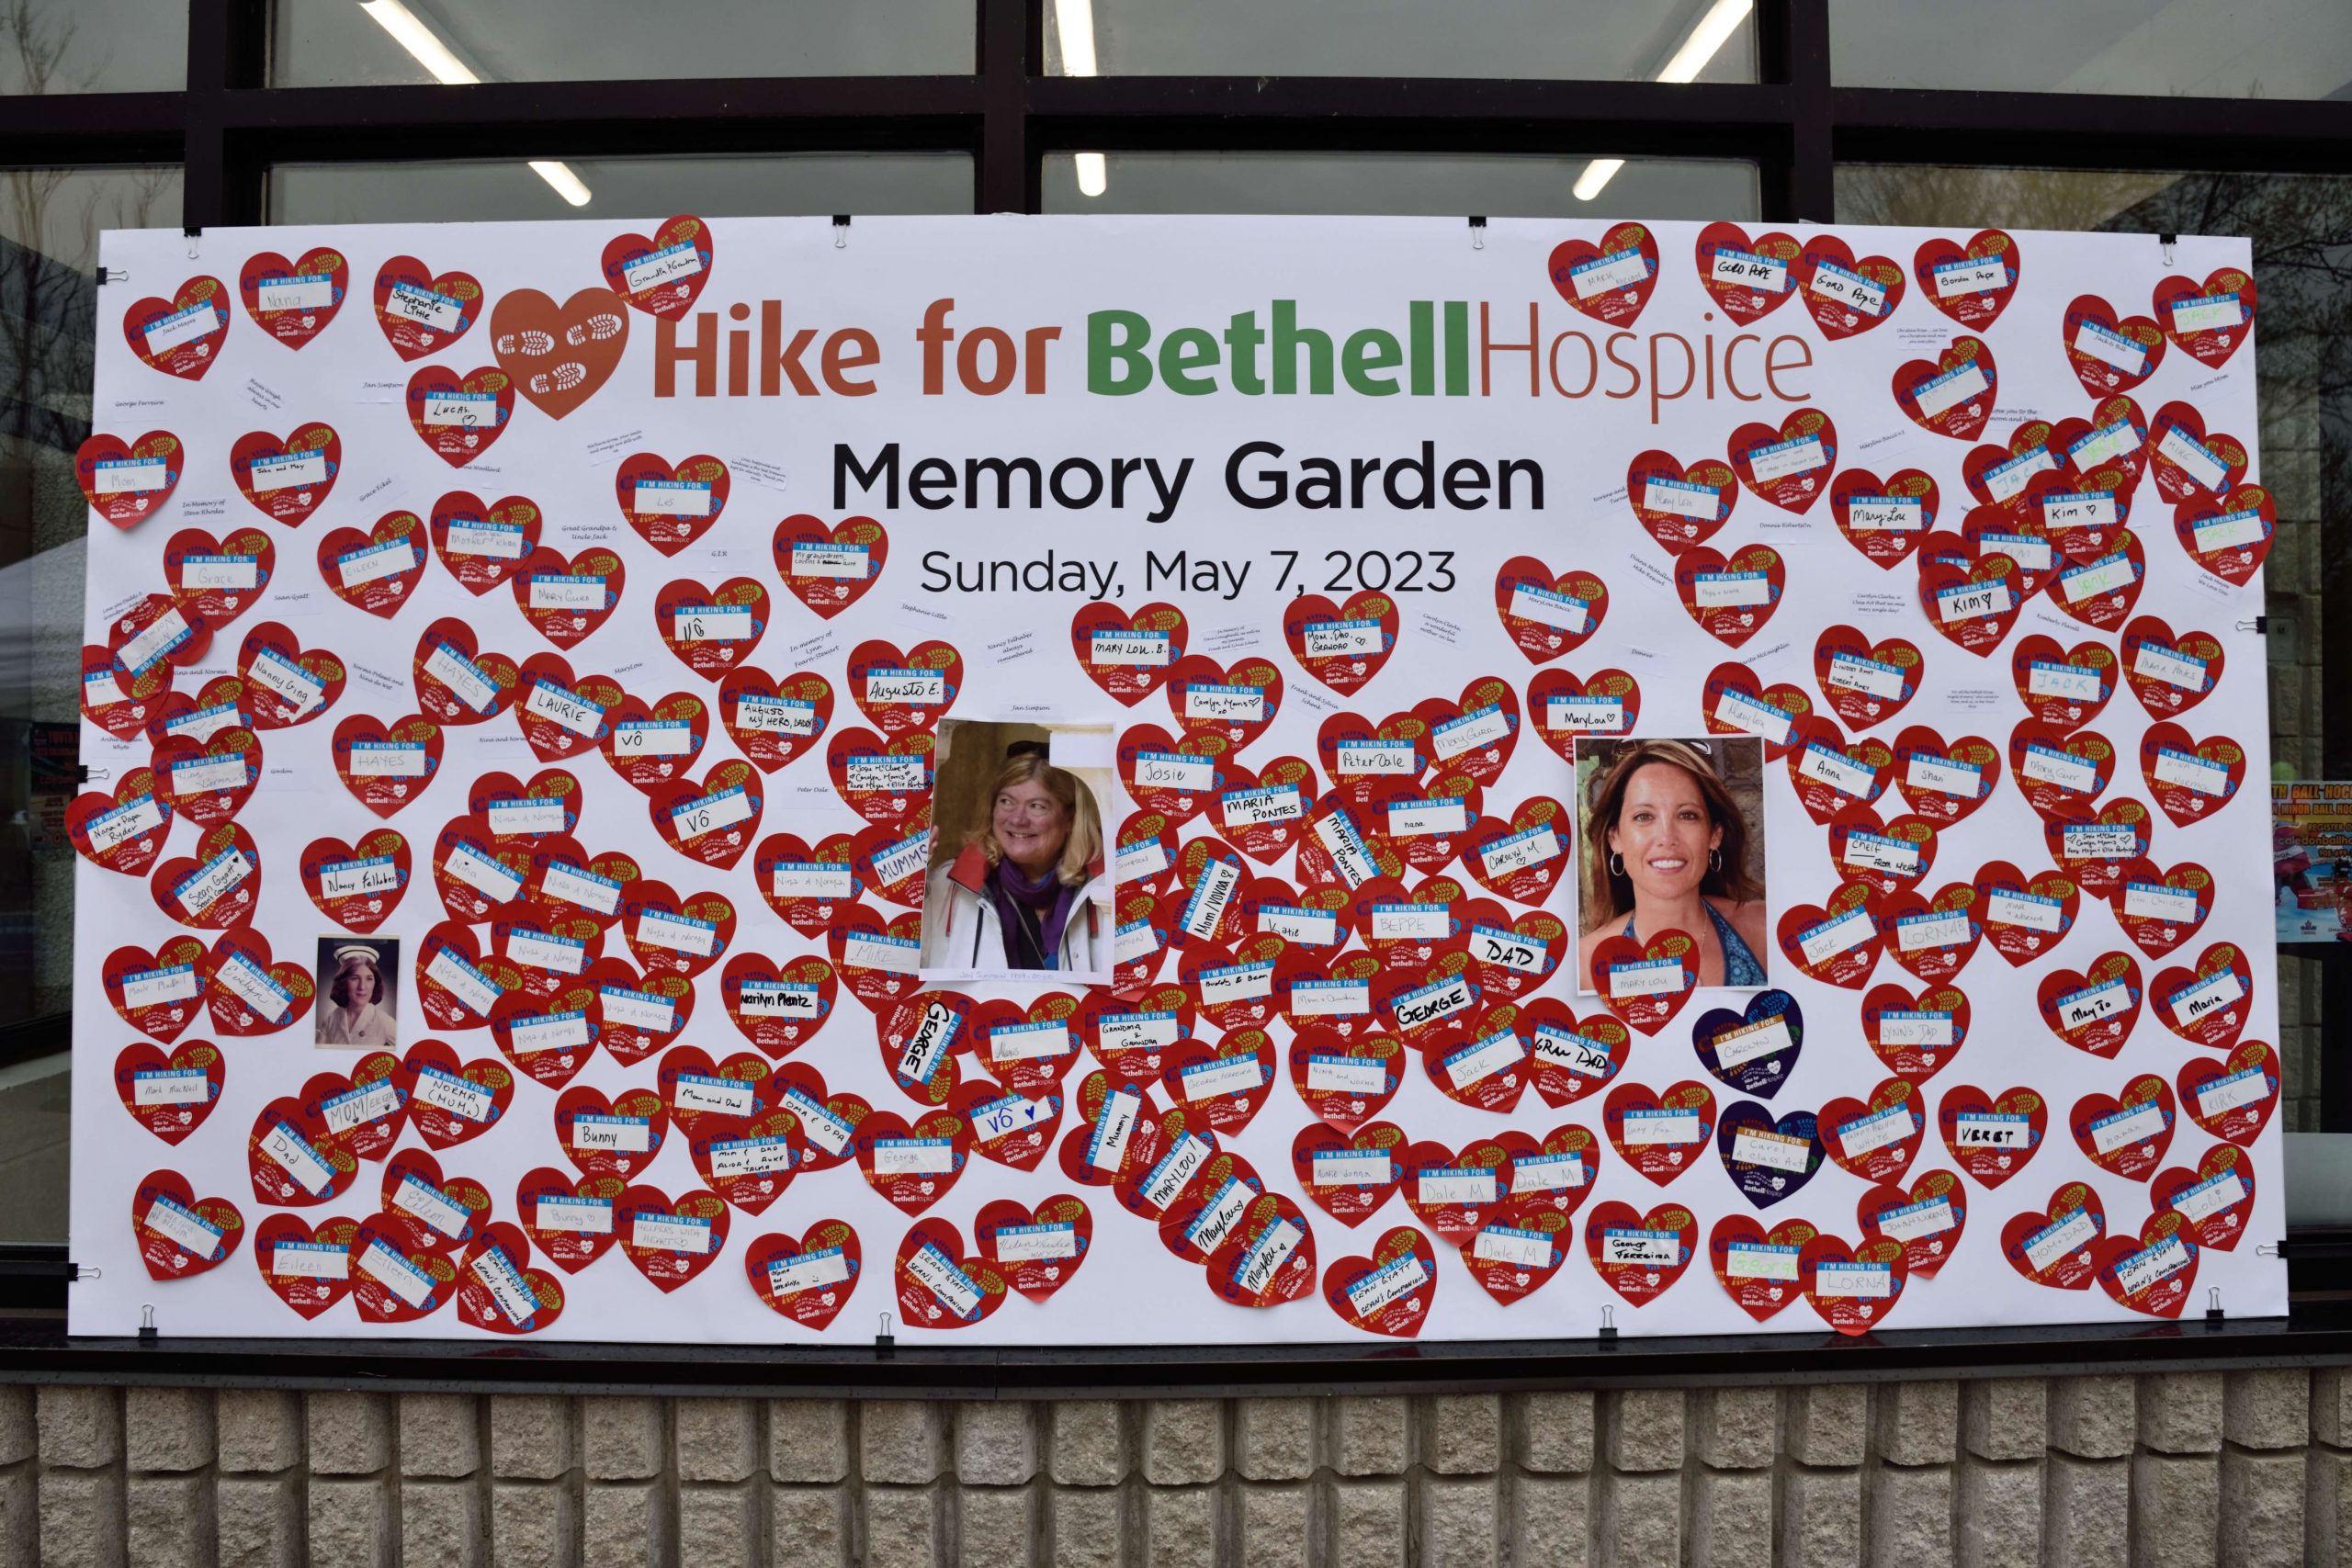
pixel 1665 848
pixel 1026 892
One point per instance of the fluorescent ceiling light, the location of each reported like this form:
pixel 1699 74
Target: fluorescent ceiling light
pixel 1705 38
pixel 442 64
pixel 1074 26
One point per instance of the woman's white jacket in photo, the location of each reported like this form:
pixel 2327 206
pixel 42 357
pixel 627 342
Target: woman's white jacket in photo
pixel 961 929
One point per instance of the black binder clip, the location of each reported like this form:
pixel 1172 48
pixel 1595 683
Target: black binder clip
pixel 885 1345
pixel 841 231
pixel 193 235
pixel 148 1333
pixel 1609 1328
pixel 2168 242
pixel 2213 1315
pixel 1479 232
pixel 106 274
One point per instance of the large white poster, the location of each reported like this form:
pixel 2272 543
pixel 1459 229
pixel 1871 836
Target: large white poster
pixel 1171 781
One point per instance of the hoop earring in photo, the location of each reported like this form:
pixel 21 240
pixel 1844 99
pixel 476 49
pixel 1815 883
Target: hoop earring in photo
pixel 1714 860
pixel 1616 864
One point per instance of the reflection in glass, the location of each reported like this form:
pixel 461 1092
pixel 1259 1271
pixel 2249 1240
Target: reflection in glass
pixel 1439 184
pixel 2207 49
pixel 331 43
pixel 715 186
pixel 50 310
pixel 1557 39
pixel 51 47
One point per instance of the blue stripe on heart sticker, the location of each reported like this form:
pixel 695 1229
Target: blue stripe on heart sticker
pixel 1768 1160
pixel 1756 1051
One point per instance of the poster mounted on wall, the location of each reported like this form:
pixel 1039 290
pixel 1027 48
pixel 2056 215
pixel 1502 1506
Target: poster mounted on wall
pixel 1171 781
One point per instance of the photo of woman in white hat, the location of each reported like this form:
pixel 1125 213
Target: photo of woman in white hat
pixel 356 992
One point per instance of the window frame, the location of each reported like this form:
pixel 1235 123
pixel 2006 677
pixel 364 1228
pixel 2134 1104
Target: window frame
pixel 226 126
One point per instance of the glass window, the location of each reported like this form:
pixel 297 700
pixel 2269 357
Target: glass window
pixel 2302 229
pixel 632 188
pixel 2206 49
pixel 50 312
pixel 92 46
pixel 1681 41
pixel 337 43
pixel 1498 186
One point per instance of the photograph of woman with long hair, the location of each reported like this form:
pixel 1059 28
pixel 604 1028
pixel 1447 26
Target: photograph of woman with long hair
pixel 1665 848
pixel 356 993
pixel 1026 888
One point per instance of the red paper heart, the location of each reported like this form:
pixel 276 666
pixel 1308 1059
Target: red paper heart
pixel 459 417
pixel 1928 1220
pixel 182 336
pixel 2052 1246
pixel 1846 296
pixel 1039 1249
pixel 247 994
pixel 671 1240
pixel 1756 1268
pixel 284 683
pixel 661 275
pixel 573 1219
pixel 1992 1138
pixel 1234 702
pixel 1748 278
pixel 421 311
pixel 567 600
pixel 2188 463
pixel 294 1161
pixel 293 302
pixel 2160 907
pixel 773 722
pixel 2152 1271
pixel 1547 614
pixel 2207 320
pixel 387 766
pixel 2231 1099
pixel 804 883
pixel 2109 353
pixel 2230 536
pixel 1128 656
pixel 1915 1035
pixel 1788 465
pixel 1342 645
pixel 170 1096
pixel 1612 281
pixel 901 692
pixel 2126 1134
pixel 808 1279
pixel 713 820
pixel 830 568
pixel 1730 600
pixel 1679 504
pixel 1875 1139
pixel 2170 671
pixel 1884 518
pixel 156 993
pixel 287 478
pixel 1972 284
pixel 127 482
pixel 217 887
pixel 1953 394
pixel 1349 1174
pixel 671 505
pixel 912 1167
pixel 1853 1288
pixel 394 1278
pixel 484 544
pixel 2024 917
pixel 1632 977
pixel 1830 773
pixel 1660 1134
pixel 2190 779
pixel 357 885
pixel 2216 1199
pixel 1640 1256
pixel 1388 1292
pixel 1269 1256
pixel 617 1135
pixel 876 959
pixel 307 1267
pixel 449 1101
pixel 498 1290
pixel 179 1234
pixel 122 831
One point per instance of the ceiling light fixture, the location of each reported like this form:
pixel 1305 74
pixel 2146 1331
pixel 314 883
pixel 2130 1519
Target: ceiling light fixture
pixel 1074 25
pixel 442 64
pixel 1705 38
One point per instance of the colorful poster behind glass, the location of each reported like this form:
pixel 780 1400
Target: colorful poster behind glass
pixel 1171 781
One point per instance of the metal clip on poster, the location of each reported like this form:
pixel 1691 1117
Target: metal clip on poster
pixel 841 231
pixel 2213 1317
pixel 148 1333
pixel 885 1344
pixel 2259 624
pixel 1479 233
pixel 193 236
pixel 1608 1329
pixel 86 773
pixel 2168 242
pixel 111 275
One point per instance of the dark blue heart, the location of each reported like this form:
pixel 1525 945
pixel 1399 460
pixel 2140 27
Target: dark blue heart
pixel 1795 1138
pixel 1761 1043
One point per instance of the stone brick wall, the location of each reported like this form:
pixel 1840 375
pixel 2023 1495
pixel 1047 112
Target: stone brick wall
pixel 2251 1467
